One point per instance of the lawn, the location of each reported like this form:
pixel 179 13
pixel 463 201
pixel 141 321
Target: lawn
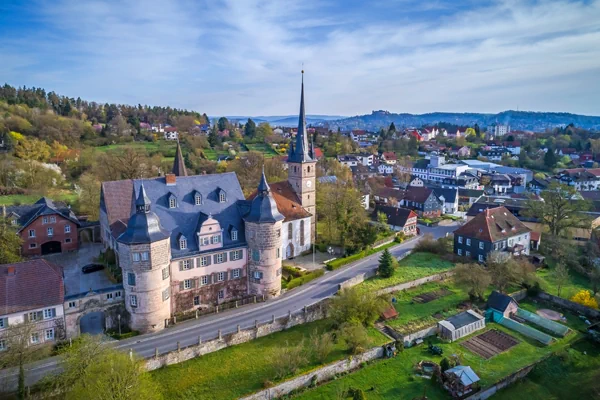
pixel 573 375
pixel 394 378
pixel 576 283
pixel 242 369
pixel 264 148
pixel 150 147
pixel 415 266
pixel 67 196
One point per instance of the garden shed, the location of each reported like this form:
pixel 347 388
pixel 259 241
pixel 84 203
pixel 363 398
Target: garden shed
pixel 501 306
pixel 461 380
pixel 460 325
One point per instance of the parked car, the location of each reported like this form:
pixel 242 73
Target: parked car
pixel 92 268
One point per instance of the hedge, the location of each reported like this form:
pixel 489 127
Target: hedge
pixel 340 262
pixel 292 271
pixel 305 278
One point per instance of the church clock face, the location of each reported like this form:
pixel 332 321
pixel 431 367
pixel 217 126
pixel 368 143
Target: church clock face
pixel 309 183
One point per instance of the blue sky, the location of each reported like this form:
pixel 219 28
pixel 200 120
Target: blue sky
pixel 243 57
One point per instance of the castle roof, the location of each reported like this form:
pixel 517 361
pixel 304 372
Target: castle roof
pixel 143 226
pixel 263 208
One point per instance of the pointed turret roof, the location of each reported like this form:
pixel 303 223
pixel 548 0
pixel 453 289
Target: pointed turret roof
pixel 144 225
pixel 179 164
pixel 142 199
pixel 263 208
pixel 300 152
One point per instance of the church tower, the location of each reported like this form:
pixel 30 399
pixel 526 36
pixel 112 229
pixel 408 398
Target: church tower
pixel 144 258
pixel 301 167
pixel 263 234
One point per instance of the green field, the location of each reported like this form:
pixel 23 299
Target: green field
pixel 264 148
pixel 395 379
pixel 573 375
pixel 576 283
pixel 66 196
pixel 242 369
pixel 415 266
pixel 150 147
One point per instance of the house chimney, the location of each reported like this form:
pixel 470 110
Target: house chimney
pixel 12 271
pixel 171 179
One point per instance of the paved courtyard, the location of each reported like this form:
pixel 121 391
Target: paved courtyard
pixel 307 263
pixel 75 280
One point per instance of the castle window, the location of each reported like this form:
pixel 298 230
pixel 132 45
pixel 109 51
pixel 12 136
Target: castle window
pixel 221 294
pixel 219 258
pixel 236 273
pixel 204 280
pixel 302 233
pixel 144 256
pixel 67 228
pixel 290 231
pixel 257 275
pixel 234 234
pixel 166 294
pixel 136 257
pixel 52 220
pixel 236 255
pixel 50 231
pixel 205 240
pixel 131 279
pixel 222 196
pixel 44 220
pixel 187 284
pixel 133 300
pixel 278 252
pixel 165 273
pixel 172 201
pixel 216 239
pixel 256 255
pixel 221 276
pixel 13 222
pixel 198 199
pixel 182 243
pixel 185 265
pixel 308 169
pixel 204 261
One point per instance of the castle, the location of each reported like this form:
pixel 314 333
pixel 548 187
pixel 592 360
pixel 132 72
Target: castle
pixel 186 242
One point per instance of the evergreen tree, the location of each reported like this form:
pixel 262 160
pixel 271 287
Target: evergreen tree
pixel 213 136
pixel 223 123
pixel 386 264
pixel 550 158
pixel 392 128
pixel 250 128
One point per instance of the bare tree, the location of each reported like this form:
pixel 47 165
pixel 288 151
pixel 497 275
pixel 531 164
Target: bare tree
pixel 474 277
pixel 561 276
pixel 19 350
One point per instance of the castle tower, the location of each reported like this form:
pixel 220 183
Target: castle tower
pixel 144 257
pixel 301 167
pixel 263 234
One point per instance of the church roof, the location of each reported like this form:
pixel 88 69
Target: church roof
pixel 300 152
pixel 179 164
pixel 287 201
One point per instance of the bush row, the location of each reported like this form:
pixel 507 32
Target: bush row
pixel 340 262
pixel 8 191
pixel 301 280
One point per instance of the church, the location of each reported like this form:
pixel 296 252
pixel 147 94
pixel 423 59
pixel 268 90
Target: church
pixel 187 242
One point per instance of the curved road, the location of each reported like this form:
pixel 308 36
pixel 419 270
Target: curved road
pixel 207 327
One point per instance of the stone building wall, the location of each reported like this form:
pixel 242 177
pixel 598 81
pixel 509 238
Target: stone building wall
pixel 152 307
pixel 266 239
pixel 293 247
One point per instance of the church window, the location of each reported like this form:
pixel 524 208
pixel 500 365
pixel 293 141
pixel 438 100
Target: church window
pixel 308 170
pixel 290 231
pixel 302 233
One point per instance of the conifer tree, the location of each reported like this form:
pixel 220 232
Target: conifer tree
pixel 386 264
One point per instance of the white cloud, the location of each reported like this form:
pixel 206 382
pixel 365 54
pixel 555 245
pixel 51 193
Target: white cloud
pixel 244 57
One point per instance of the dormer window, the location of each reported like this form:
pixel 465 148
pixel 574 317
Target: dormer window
pixel 198 199
pixel 234 234
pixel 222 196
pixel 13 222
pixel 172 201
pixel 182 243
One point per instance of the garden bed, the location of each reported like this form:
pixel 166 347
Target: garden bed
pixel 490 343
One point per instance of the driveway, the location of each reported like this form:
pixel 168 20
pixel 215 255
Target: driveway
pixel 75 280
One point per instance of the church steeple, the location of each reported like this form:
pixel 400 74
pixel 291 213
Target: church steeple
pixel 300 152
pixel 179 164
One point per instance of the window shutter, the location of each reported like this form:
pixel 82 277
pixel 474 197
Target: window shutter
pixel 226 275
pixel 231 255
pixel 26 317
pixel 197 282
pixel 213 278
pixel 181 265
pixel 193 283
pixel 181 285
pixel 215 258
pixel 40 315
pixel 225 257
pixel 207 261
pixel 54 312
pixel 198 262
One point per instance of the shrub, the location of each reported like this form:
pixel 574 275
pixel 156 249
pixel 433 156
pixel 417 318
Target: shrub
pixel 355 336
pixel 357 394
pixel 322 345
pixel 290 360
pixel 429 245
pixel 357 306
pixel 292 271
pixel 585 298
pixel 267 384
pixel 305 278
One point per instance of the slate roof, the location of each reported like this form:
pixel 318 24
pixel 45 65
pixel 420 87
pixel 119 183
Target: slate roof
pixel 263 208
pixel 119 204
pixel 417 194
pixel 470 193
pixel 499 301
pixel 396 216
pixel 300 152
pixel 179 164
pixel 143 226
pixel 492 225
pixel 37 283
pixel 25 214
pixel 390 193
pixel 287 201
pixel 450 195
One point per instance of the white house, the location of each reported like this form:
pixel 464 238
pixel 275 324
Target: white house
pixel 385 169
pixel 38 292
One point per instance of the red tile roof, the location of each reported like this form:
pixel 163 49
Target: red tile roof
pixel 390 313
pixel 389 155
pixel 535 236
pixel 492 225
pixel 34 284
pixel 287 201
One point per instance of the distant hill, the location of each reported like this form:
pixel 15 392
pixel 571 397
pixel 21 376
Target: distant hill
pixel 285 120
pixel 518 120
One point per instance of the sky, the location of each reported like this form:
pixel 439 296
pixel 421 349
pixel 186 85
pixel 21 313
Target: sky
pixel 244 57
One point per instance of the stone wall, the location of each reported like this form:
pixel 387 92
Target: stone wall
pixel 423 333
pixel 519 294
pixel 320 375
pixel 365 275
pixel 417 282
pixel 569 305
pixel 309 314
pixel 509 380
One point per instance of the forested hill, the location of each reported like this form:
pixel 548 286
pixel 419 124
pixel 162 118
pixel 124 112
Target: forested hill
pixel 518 120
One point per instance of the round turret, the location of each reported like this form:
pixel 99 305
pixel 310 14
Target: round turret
pixel 144 257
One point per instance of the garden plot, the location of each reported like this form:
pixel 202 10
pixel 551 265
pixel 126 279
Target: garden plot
pixel 430 296
pixel 490 343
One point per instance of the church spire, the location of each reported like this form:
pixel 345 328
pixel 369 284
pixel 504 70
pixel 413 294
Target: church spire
pixel 142 204
pixel 179 164
pixel 263 186
pixel 299 153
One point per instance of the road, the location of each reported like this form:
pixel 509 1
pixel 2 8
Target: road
pixel 207 327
